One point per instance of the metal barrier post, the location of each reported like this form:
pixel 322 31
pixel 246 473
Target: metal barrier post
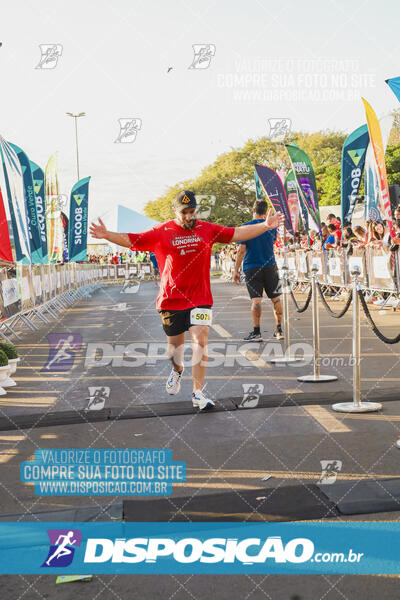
pixel 357 406
pixel 287 358
pixel 316 377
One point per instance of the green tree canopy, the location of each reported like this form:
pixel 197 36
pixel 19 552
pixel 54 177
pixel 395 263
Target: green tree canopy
pixel 230 178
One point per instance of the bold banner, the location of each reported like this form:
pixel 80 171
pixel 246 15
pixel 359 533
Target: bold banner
pixel 371 185
pixel 304 173
pixel 259 194
pixel 30 205
pixel 12 175
pixel 394 84
pixel 65 222
pixel 5 244
pixel 373 205
pixel 220 548
pixel 294 202
pixel 375 137
pixel 53 211
pixel 353 160
pixel 78 221
pixel 273 187
pixel 38 187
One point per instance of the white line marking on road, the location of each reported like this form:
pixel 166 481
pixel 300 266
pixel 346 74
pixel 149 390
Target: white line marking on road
pixel 221 331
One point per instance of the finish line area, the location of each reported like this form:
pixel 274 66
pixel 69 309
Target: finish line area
pixel 265 423
pixel 265 456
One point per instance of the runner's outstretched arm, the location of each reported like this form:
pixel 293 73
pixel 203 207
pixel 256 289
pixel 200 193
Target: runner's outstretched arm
pixel 100 232
pixel 248 232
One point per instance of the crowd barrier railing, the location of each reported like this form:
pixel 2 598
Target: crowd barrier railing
pixel 31 295
pixel 379 267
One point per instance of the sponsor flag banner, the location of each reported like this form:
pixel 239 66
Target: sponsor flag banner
pixel 203 547
pixel 305 177
pixel 375 136
pixel 373 204
pixel 5 244
pixel 394 84
pixel 273 187
pixel 259 191
pixel 371 185
pixel 53 211
pixel 12 177
pixel 353 160
pixel 30 206
pixel 38 187
pixel 78 221
pixel 294 202
pixel 259 194
pixel 65 220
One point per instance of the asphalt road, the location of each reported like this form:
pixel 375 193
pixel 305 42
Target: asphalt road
pixel 283 430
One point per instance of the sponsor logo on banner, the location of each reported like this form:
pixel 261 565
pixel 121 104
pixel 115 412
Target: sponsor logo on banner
pixel 62 547
pixel 10 291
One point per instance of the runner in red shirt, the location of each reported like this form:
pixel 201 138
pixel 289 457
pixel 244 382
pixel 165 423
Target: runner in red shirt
pixel 183 251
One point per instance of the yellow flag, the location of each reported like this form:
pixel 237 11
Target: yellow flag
pixel 375 137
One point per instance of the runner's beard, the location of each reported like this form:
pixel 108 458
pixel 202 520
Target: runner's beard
pixel 189 225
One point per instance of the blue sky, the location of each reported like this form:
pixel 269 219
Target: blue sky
pixel 306 61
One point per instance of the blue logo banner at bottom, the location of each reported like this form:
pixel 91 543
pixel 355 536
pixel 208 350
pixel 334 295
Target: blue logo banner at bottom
pixel 215 548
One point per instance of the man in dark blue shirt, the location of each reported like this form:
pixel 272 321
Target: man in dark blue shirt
pixel 261 273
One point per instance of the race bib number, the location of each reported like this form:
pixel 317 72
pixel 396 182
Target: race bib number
pixel 200 316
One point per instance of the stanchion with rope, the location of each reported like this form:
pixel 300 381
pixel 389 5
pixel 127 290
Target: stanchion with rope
pixel 286 358
pixel 357 406
pixel 316 377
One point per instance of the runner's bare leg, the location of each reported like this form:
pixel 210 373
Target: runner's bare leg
pixel 256 311
pixel 175 350
pixel 199 338
pixel 277 306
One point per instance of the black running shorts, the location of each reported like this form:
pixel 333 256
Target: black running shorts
pixel 177 321
pixel 263 278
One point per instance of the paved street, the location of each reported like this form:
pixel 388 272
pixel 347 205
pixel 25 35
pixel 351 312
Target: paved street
pixel 284 430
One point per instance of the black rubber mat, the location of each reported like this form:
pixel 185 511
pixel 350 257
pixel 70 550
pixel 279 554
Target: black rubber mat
pixel 358 497
pixel 287 503
pixel 171 409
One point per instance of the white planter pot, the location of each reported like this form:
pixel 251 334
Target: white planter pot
pixel 13 362
pixel 3 377
pixel 12 367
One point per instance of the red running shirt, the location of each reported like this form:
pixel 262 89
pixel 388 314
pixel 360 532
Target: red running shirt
pixel 183 256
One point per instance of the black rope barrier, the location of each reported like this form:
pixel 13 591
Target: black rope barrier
pixel 305 305
pixel 334 314
pixel 374 328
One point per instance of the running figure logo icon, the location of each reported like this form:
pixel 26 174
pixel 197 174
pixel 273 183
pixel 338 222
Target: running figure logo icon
pixel 61 351
pixel 128 129
pixel 97 398
pixel 329 471
pixel 203 54
pixel 278 129
pixel 251 394
pixel 50 55
pixel 62 547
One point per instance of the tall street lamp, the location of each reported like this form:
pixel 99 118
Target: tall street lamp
pixel 82 114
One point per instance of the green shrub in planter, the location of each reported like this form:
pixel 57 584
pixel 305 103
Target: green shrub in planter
pixel 9 349
pixel 3 359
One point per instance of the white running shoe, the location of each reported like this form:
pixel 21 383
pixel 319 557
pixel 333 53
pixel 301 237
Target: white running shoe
pixel 200 401
pixel 173 384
